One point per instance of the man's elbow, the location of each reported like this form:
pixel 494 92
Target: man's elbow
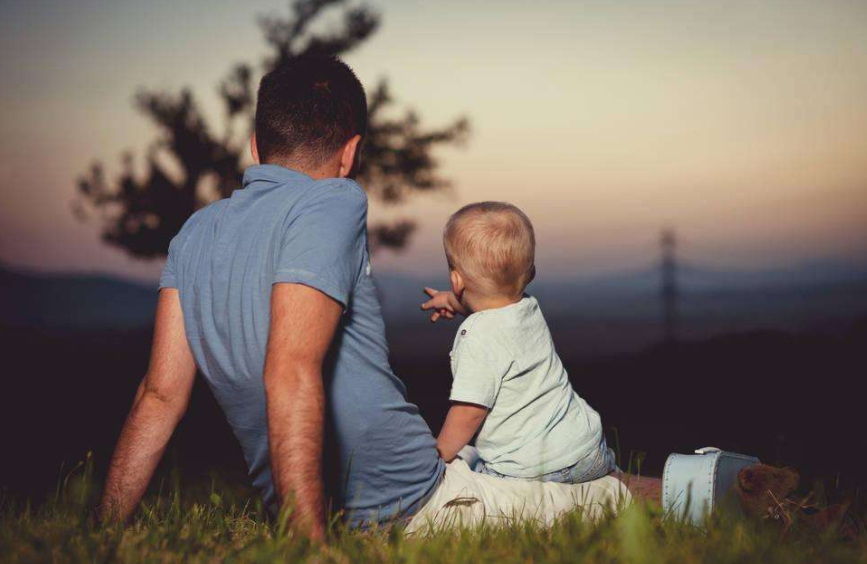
pixel 165 401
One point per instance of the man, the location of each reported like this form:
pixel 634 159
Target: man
pixel 269 293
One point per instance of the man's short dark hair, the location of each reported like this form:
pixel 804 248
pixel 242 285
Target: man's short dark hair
pixel 307 108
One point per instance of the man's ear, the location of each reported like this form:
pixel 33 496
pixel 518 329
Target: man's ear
pixel 457 282
pixel 350 158
pixel 254 150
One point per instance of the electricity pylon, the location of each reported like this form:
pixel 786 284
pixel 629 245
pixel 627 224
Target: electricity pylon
pixel 669 290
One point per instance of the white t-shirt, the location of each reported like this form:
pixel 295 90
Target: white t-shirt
pixel 504 359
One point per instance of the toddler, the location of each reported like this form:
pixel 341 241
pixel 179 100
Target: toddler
pixel 509 384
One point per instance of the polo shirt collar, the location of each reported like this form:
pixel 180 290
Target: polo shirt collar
pixel 269 174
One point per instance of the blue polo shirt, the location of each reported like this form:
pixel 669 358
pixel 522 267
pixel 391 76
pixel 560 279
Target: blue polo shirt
pixel 380 458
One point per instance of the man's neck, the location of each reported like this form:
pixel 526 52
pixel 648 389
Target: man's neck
pixel 329 169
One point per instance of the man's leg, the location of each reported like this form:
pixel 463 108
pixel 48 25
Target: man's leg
pixel 642 487
pixel 469 499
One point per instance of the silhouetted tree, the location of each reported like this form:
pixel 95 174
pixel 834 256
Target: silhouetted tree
pixel 190 165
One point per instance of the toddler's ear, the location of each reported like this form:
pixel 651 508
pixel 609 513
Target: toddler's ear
pixel 457 282
pixel 532 274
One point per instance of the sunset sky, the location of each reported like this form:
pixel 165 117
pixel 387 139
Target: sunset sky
pixel 741 124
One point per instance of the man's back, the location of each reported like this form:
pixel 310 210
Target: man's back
pixel 285 227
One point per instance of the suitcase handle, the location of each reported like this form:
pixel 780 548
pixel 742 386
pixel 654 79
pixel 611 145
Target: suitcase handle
pixel 707 450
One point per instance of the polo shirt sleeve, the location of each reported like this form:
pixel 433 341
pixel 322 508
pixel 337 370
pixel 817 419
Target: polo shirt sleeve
pixel 168 279
pixel 324 244
pixel 478 372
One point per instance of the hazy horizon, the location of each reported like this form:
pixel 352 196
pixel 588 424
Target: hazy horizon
pixel 741 124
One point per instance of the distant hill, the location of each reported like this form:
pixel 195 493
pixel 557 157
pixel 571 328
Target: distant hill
pixel 599 315
pixel 71 301
pixel 621 311
pixel 819 288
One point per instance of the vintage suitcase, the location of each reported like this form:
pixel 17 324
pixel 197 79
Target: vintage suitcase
pixel 694 484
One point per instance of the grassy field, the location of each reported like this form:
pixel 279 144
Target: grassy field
pixel 194 525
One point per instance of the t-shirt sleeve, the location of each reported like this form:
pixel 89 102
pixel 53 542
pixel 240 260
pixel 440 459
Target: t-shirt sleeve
pixel 478 373
pixel 324 245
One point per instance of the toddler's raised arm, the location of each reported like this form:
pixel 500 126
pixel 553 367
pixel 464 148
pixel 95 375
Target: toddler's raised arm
pixel 444 304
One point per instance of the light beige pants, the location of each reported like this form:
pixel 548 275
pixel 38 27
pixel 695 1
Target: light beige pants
pixel 469 499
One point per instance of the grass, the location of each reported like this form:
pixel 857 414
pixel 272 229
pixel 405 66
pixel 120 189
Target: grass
pixel 213 524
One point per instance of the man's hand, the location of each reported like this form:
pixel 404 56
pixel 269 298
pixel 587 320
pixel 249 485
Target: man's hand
pixel 444 305
pixel 303 323
pixel 159 404
pixel 462 422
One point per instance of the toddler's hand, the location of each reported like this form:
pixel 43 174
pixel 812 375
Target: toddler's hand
pixel 442 304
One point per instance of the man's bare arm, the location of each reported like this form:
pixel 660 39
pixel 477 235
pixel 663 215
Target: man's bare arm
pixel 462 422
pixel 159 404
pixel 303 323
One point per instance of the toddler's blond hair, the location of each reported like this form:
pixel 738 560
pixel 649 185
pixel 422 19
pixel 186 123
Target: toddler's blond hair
pixel 493 246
